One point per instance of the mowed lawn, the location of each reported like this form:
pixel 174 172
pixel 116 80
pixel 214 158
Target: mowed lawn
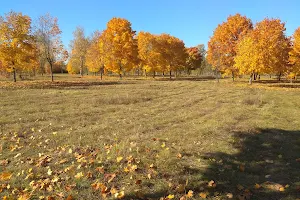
pixel 147 139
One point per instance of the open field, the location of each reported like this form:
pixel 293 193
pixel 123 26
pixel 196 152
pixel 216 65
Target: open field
pixel 147 139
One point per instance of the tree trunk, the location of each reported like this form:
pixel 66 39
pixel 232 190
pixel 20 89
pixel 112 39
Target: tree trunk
pixel 138 72
pixel 163 74
pixel 232 73
pixel 254 76
pixel 217 76
pixel 101 73
pixel 250 80
pixel 170 74
pixel 279 76
pixel 153 74
pixel 51 71
pixel 259 77
pixel 145 73
pixel 81 67
pixel 14 75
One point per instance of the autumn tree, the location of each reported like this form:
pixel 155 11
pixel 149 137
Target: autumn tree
pixel 264 50
pixel 295 55
pixel 222 45
pixel 174 53
pixel 119 46
pixel 149 52
pixel 17 49
pixel 94 56
pixel 47 34
pixel 79 46
pixel 194 59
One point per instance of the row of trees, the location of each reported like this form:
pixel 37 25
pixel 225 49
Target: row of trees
pixel 118 49
pixel 28 48
pixel 237 47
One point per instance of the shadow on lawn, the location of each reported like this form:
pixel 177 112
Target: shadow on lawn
pixel 61 84
pixel 192 78
pixel 266 167
pixel 267 157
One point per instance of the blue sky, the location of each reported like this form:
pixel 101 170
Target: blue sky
pixel 193 21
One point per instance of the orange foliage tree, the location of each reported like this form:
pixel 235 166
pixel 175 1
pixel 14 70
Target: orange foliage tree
pixel 194 59
pixel 222 45
pixel 295 55
pixel 264 50
pixel 119 46
pixel 94 56
pixel 17 49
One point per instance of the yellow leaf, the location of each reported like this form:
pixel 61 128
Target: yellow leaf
pixel 163 145
pixel 170 196
pixel 189 194
pixel 281 189
pixel 24 197
pixel 203 195
pixel 4 176
pixel 257 186
pixel 70 150
pixel 120 195
pixel 119 159
pixel 79 175
pixel 49 172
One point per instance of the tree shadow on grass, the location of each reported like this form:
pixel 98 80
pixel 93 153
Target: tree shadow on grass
pixel 61 84
pixel 191 78
pixel 267 166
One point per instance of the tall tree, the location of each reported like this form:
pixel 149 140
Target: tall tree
pixel 79 46
pixel 194 59
pixel 47 34
pixel 149 52
pixel 94 56
pixel 174 53
pixel 222 45
pixel 264 50
pixel 119 46
pixel 17 50
pixel 295 54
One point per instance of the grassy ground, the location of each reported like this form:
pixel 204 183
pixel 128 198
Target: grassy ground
pixel 146 139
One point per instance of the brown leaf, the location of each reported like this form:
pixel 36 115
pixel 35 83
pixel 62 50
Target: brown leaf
pixel 4 176
pixel 69 197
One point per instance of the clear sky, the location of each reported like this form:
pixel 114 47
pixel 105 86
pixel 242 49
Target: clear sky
pixel 193 21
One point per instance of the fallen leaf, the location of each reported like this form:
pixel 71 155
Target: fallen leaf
pixel 4 176
pixel 170 196
pixel 203 195
pixel 120 195
pixel 69 197
pixel 257 186
pixel 229 195
pixel 212 184
pixel 119 159
pixel 190 194
pixel 49 172
pixel 79 175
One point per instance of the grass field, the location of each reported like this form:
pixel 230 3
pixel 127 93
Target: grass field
pixel 149 139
